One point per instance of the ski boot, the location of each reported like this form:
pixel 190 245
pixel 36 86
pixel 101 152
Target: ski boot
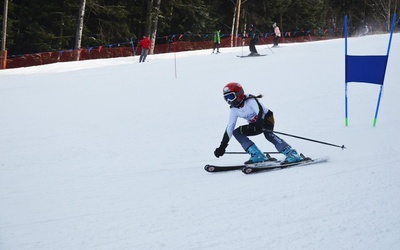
pixel 256 155
pixel 291 155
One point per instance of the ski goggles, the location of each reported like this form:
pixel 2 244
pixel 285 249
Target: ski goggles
pixel 230 97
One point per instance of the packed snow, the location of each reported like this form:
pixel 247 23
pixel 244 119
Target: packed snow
pixel 110 153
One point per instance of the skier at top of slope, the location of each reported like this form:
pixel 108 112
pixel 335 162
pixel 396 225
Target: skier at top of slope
pixel 145 43
pixel 254 34
pixel 260 119
pixel 217 40
pixel 277 34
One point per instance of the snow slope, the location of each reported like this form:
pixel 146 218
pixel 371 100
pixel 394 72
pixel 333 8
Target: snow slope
pixel 109 154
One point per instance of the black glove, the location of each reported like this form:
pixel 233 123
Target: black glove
pixel 220 151
pixel 224 143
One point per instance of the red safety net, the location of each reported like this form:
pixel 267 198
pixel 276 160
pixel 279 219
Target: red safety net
pixel 113 52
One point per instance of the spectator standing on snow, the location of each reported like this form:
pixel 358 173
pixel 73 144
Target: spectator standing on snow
pixel 145 44
pixel 217 40
pixel 253 34
pixel 277 34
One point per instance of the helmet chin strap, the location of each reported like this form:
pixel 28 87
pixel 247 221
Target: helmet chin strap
pixel 240 105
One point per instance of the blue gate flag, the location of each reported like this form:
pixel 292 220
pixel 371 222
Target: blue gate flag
pixel 367 69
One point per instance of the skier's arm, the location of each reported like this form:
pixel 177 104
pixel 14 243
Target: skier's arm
pixel 220 151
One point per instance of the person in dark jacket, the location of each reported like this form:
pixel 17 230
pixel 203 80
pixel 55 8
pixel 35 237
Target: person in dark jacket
pixel 253 34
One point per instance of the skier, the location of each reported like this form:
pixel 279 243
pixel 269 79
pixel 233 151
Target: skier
pixel 145 44
pixel 217 40
pixel 260 119
pixel 253 34
pixel 366 30
pixel 277 34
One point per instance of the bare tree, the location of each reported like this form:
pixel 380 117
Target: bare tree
pixel 236 20
pixel 238 8
pixel 153 13
pixel 4 37
pixel 383 9
pixel 233 25
pixel 79 29
pixel 154 24
pixel 149 18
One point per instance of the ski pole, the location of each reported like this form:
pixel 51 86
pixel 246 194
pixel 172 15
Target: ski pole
pixel 307 139
pixel 133 47
pixel 267 154
pixel 270 49
pixel 242 153
pixel 242 44
pixel 267 46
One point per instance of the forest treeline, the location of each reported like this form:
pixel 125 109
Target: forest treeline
pixel 50 25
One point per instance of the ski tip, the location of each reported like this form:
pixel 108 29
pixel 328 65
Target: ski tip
pixel 247 170
pixel 209 168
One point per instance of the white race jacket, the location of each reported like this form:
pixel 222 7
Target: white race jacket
pixel 249 111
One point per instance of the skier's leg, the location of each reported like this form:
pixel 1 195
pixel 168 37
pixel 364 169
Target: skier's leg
pixel 269 123
pixel 146 51
pixel 141 56
pixel 244 141
pixel 282 146
pixel 279 144
pixel 241 134
pixel 254 46
pixel 251 48
pixel 291 155
pixel 276 41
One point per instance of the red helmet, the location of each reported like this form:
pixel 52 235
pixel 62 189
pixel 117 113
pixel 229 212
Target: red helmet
pixel 233 94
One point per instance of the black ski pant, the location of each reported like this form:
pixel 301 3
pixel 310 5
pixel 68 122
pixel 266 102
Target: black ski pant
pixel 216 46
pixel 241 133
pixel 276 40
pixel 252 45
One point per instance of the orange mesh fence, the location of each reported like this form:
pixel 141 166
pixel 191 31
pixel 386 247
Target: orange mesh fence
pixel 172 46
